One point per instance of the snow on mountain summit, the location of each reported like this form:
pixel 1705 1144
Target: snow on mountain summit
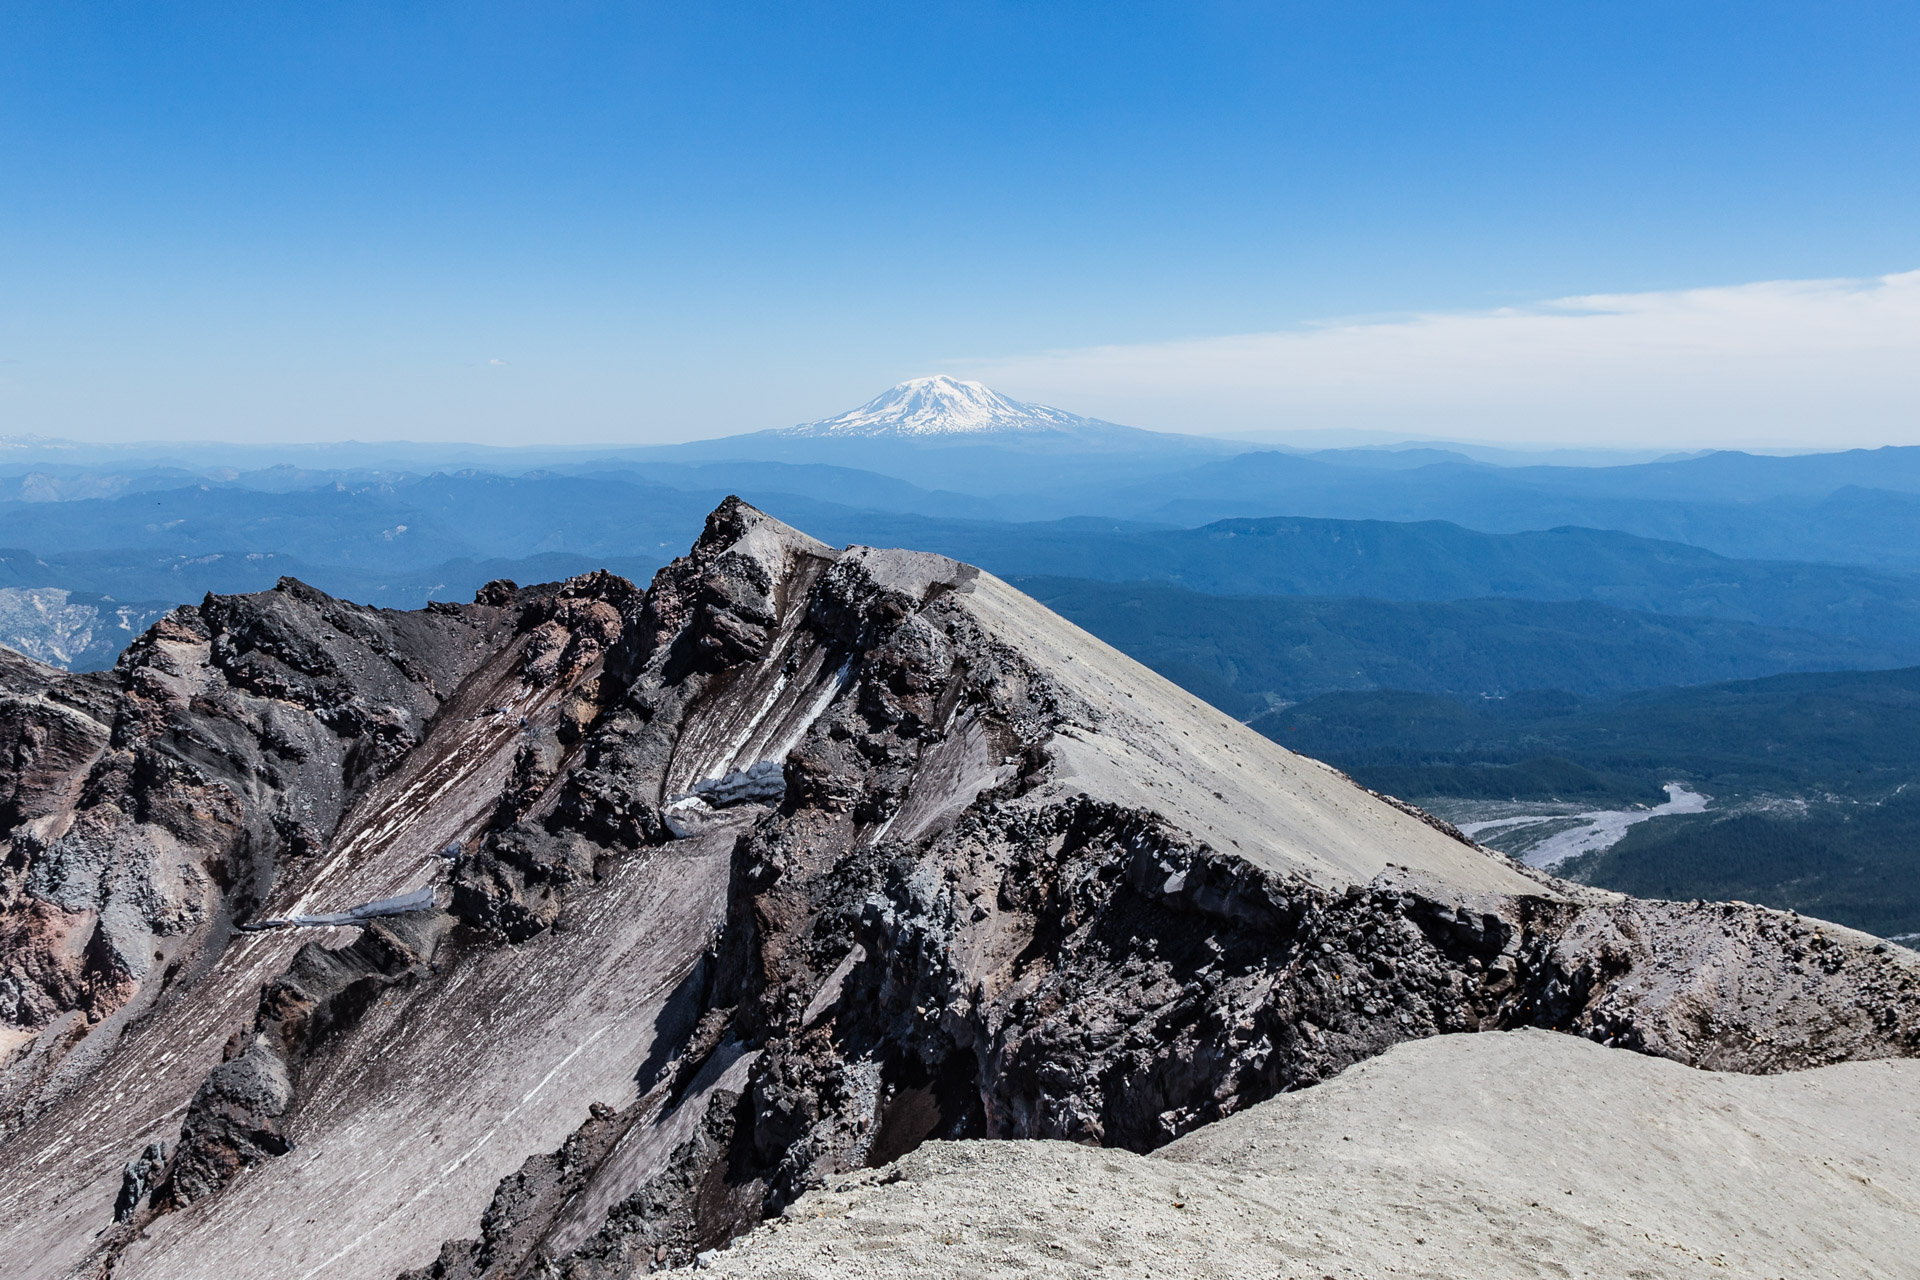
pixel 938 406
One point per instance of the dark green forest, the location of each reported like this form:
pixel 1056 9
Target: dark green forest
pixel 1244 652
pixel 1815 779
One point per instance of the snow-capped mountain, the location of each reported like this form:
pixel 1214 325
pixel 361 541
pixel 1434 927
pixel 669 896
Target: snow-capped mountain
pixel 941 406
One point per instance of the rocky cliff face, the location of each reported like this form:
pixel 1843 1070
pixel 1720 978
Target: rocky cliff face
pixel 148 808
pixel 778 869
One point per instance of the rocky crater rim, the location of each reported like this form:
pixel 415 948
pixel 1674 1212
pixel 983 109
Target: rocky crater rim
pixel 876 850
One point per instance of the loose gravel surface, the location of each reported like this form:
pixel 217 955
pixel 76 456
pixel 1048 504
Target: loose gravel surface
pixel 1498 1154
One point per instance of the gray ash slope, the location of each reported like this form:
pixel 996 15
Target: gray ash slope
pixel 1429 1161
pixel 1006 883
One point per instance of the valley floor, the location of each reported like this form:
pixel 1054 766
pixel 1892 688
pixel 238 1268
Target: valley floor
pixel 1545 835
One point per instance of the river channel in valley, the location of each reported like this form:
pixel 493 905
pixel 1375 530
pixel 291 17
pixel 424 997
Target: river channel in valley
pixel 1545 835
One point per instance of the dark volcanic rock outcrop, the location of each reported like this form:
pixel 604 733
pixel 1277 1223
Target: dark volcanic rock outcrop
pixel 150 807
pixel 790 863
pixel 252 755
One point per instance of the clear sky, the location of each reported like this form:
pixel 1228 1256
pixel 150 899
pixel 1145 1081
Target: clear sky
pixel 599 222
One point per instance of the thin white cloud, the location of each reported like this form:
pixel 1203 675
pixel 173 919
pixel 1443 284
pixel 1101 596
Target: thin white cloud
pixel 1787 363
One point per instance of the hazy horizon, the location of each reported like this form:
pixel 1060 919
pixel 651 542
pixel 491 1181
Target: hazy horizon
pixel 1601 450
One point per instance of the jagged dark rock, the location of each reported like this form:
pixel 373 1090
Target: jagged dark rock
pixel 138 1179
pixel 955 870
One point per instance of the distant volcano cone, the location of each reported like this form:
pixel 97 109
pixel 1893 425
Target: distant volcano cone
pixel 942 405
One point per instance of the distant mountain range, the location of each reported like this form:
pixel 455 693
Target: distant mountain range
pixel 1346 596
pixel 1244 653
pixel 1824 545
pixel 948 448
pixel 401 543
pixel 1425 560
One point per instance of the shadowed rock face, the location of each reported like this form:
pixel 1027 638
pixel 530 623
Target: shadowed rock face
pixel 252 755
pixel 788 864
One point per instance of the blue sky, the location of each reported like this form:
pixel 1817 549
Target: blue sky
pixel 636 222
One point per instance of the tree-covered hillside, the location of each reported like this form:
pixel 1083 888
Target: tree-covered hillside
pixel 1243 653
pixel 1814 779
